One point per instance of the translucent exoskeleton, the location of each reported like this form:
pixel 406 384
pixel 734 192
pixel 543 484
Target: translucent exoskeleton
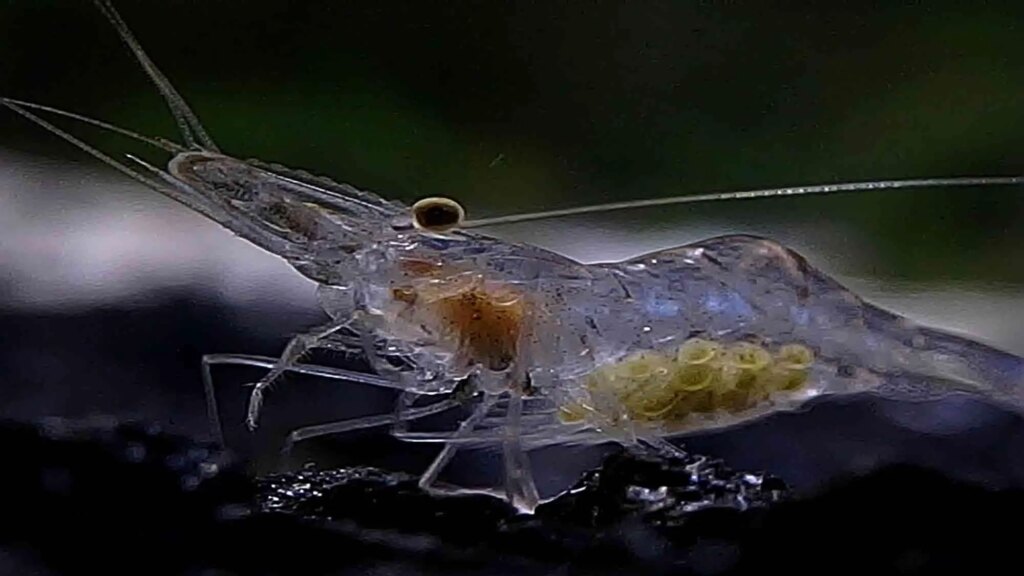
pixel 545 349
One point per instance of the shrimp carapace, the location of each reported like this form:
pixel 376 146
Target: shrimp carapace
pixel 700 377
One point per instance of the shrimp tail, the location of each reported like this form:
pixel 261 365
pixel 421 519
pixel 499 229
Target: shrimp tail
pixel 912 361
pixel 944 362
pixel 853 346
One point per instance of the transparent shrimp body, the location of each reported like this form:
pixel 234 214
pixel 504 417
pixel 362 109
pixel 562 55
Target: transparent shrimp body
pixel 689 338
pixel 606 344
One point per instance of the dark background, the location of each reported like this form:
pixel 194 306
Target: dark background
pixel 110 294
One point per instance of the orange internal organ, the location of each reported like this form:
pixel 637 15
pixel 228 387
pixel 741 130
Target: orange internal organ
pixel 483 322
pixel 487 324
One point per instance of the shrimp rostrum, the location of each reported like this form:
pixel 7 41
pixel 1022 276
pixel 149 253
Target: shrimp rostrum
pixel 549 349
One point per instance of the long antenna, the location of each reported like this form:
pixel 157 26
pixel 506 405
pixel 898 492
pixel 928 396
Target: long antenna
pixel 749 194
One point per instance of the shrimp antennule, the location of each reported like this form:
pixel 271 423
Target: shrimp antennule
pixel 157 142
pixel 192 131
pixel 170 186
pixel 20 108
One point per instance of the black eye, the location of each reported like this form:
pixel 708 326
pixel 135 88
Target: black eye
pixel 437 214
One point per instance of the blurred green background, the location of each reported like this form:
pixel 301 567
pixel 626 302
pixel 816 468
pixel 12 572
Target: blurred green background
pixel 517 106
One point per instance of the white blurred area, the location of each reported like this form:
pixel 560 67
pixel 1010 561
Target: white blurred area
pixel 78 236
pixel 75 236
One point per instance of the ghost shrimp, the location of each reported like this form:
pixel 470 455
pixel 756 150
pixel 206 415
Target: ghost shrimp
pixel 544 349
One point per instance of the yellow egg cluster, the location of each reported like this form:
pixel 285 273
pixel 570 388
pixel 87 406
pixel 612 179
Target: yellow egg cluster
pixel 702 376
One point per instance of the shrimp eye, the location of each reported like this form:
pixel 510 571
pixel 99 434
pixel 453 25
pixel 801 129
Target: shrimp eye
pixel 437 214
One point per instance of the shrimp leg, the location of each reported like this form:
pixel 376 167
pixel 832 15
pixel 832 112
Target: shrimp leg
pixel 450 448
pixel 401 414
pixel 296 347
pixel 211 360
pixel 520 489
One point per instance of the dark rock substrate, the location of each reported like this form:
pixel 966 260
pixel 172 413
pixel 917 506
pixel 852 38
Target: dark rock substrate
pixel 112 498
